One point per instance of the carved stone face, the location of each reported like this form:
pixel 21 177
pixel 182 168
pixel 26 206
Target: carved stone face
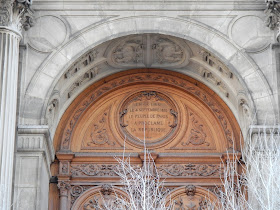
pixel 190 190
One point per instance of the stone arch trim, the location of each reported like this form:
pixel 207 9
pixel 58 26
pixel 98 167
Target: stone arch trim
pixel 219 44
pixel 92 94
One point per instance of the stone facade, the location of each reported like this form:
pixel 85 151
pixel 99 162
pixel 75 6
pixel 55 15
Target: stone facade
pixel 59 48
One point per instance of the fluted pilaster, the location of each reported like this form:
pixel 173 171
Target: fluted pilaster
pixel 14 15
pixel 9 52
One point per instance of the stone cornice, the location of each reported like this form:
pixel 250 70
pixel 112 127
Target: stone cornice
pixel 16 15
pixel 273 16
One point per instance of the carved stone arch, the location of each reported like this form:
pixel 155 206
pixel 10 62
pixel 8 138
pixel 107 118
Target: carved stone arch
pixel 210 39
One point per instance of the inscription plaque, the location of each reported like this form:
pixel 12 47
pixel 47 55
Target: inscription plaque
pixel 148 114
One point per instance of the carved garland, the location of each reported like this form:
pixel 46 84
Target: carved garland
pixel 189 87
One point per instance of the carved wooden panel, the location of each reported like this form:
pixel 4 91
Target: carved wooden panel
pixel 178 115
pixel 148 115
pixel 193 197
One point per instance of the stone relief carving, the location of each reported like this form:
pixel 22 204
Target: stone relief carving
pixel 186 170
pixel 245 108
pixel 130 52
pixel 211 78
pixel 82 63
pixel 273 16
pixel 149 50
pixel 166 51
pixel 154 78
pixel 16 14
pixel 197 136
pixel 215 63
pixel 52 111
pixel 86 77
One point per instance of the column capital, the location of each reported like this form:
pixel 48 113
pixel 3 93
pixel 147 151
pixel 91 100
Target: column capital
pixel 273 16
pixel 16 15
pixel 63 187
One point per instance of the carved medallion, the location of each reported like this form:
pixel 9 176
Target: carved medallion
pixel 148 115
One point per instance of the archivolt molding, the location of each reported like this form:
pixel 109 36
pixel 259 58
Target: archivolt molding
pixel 241 65
pixel 117 55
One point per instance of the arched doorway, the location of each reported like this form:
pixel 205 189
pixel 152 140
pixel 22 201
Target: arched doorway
pixel 187 126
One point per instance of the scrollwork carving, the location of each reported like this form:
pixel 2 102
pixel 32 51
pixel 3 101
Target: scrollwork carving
pixel 197 136
pixel 99 134
pixel 186 170
pixel 93 170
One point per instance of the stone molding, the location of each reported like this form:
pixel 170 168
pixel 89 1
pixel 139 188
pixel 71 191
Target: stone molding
pixel 35 139
pixel 273 16
pixel 16 15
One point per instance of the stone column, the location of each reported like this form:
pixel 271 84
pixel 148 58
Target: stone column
pixel 12 16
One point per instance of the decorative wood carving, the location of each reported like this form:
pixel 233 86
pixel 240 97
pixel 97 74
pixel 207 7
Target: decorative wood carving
pixel 197 135
pixel 156 79
pixel 186 170
pixel 193 198
pixel 149 110
pixel 80 170
pixel 98 197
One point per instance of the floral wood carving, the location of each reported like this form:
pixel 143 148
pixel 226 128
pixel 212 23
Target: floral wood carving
pixel 77 190
pixel 99 134
pixel 186 170
pixel 93 170
pixel 155 78
pixel 197 136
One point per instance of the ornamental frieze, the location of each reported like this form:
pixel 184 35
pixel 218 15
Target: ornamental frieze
pixel 164 170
